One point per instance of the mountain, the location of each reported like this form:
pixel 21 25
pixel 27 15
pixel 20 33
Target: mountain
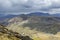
pixel 38 26
pixel 44 24
pixel 37 20
pixel 4 18
pixel 56 15
pixel 40 23
pixel 9 16
pixel 38 14
pixel 43 14
pixel 1 15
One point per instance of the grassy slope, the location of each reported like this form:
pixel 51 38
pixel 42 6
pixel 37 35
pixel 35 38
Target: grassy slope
pixel 48 24
pixel 35 35
pixel 6 35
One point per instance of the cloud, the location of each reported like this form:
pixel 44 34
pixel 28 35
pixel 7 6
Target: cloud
pixel 29 5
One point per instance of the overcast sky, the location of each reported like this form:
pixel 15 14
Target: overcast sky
pixel 26 6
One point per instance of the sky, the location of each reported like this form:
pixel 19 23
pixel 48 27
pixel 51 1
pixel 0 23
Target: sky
pixel 27 6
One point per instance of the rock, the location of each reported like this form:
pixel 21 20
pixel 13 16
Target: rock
pixel 6 34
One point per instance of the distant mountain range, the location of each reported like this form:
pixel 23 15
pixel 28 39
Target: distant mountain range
pixel 38 14
pixel 56 15
pixel 40 21
pixel 44 22
pixel 43 14
pixel 3 16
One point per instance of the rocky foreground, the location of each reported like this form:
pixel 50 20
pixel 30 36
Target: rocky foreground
pixel 6 34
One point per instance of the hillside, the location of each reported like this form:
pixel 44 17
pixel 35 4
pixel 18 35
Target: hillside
pixel 6 34
pixel 45 24
pixel 33 33
pixel 35 27
pixel 40 23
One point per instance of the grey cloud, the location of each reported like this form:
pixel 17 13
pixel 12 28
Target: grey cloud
pixel 28 5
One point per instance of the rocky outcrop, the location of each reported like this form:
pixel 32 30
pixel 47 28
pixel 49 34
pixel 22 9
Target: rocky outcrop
pixel 6 34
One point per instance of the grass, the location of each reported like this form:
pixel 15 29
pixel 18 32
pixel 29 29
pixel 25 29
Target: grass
pixel 35 35
pixel 7 37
